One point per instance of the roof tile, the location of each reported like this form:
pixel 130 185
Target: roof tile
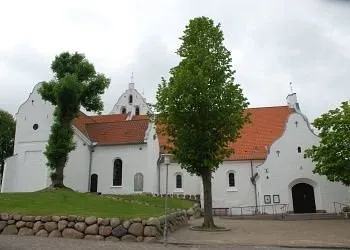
pixel 267 125
pixel 112 129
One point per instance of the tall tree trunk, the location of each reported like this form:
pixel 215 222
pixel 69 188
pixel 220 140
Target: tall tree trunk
pixel 57 181
pixel 208 213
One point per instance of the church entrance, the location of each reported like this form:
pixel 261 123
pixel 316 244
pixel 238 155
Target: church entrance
pixel 93 183
pixel 303 198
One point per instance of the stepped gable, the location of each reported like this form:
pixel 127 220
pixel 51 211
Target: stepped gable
pixel 267 125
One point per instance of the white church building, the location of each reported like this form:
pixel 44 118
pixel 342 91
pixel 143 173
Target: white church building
pixel 120 153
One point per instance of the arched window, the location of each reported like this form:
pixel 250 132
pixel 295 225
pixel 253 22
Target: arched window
pixel 123 110
pixel 299 149
pixel 137 110
pixel 130 98
pixel 178 181
pixel 138 182
pixel 117 172
pixel 231 180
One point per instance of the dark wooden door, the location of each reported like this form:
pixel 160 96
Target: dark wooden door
pixel 93 183
pixel 303 198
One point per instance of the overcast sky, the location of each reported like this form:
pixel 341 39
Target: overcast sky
pixel 273 42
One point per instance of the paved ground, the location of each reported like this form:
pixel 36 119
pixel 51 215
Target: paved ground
pixel 323 233
pixel 244 235
pixel 38 243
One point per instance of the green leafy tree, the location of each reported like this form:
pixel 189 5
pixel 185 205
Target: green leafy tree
pixel 75 84
pixel 7 137
pixel 201 106
pixel 332 155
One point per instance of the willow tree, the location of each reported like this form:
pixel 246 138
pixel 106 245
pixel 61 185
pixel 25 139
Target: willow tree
pixel 201 106
pixel 75 84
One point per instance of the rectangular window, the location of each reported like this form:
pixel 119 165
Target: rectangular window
pixel 117 173
pixel 179 181
pixel 231 180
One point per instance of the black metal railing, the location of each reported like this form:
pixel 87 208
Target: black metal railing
pixel 339 207
pixel 274 209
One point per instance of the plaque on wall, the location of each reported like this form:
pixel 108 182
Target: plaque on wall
pixel 276 198
pixel 267 199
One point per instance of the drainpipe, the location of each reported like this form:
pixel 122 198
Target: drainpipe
pixel 158 168
pixel 253 180
pixel 91 149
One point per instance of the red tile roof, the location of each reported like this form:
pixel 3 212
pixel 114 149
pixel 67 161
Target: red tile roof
pixel 112 129
pixel 109 118
pixel 118 133
pixel 267 125
pixel 80 122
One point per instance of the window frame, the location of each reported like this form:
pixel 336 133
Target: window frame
pixel 178 181
pixel 229 180
pixel 179 190
pixel 115 181
pixel 228 187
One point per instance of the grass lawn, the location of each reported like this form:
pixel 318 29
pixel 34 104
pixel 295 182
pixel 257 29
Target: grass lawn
pixel 157 201
pixel 66 202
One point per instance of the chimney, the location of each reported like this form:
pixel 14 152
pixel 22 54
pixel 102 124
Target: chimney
pixel 293 102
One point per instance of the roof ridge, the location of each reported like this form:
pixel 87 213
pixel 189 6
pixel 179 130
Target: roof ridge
pixel 89 117
pixel 114 122
pixel 108 115
pixel 263 107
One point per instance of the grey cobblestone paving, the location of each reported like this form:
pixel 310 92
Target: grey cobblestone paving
pixel 306 233
pixel 39 243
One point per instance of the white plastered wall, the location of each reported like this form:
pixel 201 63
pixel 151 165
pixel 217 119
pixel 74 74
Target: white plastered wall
pixel 285 167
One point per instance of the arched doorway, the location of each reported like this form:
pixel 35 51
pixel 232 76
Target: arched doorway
pixel 303 198
pixel 93 183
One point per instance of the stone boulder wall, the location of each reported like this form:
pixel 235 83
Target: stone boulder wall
pixel 194 212
pixel 92 228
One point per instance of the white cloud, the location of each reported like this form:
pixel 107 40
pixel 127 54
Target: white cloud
pixel 272 42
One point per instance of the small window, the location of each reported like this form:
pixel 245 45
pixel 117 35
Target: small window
pixel 130 98
pixel 137 111
pixel 231 180
pixel 299 149
pixel 123 110
pixel 178 181
pixel 117 172
pixel 35 126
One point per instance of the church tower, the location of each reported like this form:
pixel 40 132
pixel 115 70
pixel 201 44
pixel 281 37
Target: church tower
pixel 131 102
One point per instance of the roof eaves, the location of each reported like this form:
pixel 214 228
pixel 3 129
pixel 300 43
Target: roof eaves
pixel 121 144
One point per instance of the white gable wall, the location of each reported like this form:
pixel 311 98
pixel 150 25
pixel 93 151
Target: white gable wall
pixel 26 170
pixel 137 101
pixel 33 111
pixel 279 173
